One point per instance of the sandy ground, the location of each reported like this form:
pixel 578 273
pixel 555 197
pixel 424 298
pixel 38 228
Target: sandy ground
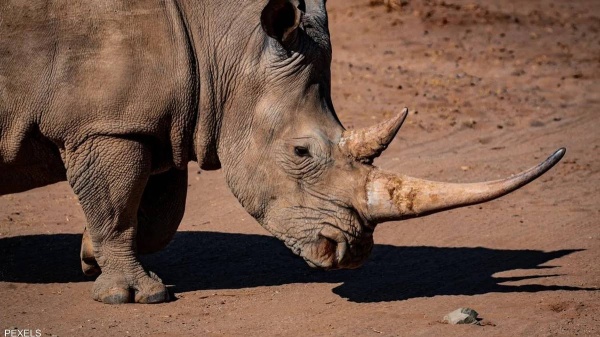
pixel 493 86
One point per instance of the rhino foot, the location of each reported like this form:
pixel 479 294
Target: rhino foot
pixel 116 289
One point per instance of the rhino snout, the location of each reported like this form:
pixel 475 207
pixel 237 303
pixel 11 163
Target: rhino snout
pixel 333 249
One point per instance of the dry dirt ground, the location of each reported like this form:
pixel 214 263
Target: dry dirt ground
pixel 493 86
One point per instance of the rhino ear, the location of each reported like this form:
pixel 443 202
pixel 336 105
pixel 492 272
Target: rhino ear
pixel 280 19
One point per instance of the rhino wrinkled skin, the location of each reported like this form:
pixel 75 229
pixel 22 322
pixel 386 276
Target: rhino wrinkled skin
pixel 116 97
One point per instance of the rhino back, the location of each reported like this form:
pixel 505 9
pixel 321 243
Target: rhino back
pixel 74 70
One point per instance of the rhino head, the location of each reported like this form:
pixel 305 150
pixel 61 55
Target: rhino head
pixel 294 167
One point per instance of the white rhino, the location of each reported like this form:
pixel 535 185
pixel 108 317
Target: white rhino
pixel 117 96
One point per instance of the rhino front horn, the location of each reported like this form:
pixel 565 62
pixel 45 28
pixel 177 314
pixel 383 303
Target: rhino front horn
pixel 394 197
pixel 366 144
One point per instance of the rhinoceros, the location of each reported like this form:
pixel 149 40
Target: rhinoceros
pixel 117 97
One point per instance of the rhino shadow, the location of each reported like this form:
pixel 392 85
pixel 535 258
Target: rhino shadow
pixel 210 260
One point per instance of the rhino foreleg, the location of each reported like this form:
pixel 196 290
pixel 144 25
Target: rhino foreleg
pixel 161 210
pixel 109 176
pixel 159 216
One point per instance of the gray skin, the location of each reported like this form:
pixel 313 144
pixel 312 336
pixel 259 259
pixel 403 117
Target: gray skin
pixel 116 97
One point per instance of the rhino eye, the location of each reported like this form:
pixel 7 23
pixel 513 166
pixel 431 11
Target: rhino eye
pixel 301 151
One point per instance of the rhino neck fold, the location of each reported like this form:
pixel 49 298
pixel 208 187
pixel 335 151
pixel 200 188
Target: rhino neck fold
pixel 229 45
pixel 219 40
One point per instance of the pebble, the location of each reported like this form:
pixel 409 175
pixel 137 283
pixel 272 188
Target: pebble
pixel 462 316
pixel 536 124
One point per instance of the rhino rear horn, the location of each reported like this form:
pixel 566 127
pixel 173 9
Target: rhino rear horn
pixel 367 144
pixel 392 196
pixel 280 19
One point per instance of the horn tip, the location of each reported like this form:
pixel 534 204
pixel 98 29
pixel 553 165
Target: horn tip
pixel 552 160
pixel 558 154
pixel 403 114
pixel 399 119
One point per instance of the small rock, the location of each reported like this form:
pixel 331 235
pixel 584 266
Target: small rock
pixel 462 316
pixel 518 72
pixel 536 124
pixel 470 123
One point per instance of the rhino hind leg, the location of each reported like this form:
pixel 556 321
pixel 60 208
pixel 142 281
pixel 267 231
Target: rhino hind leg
pixel 37 163
pixel 89 266
pixel 109 176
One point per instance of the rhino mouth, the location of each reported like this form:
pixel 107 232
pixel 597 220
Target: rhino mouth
pixel 332 250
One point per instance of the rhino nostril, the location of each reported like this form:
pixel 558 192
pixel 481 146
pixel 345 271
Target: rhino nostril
pixel 334 243
pixel 327 246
